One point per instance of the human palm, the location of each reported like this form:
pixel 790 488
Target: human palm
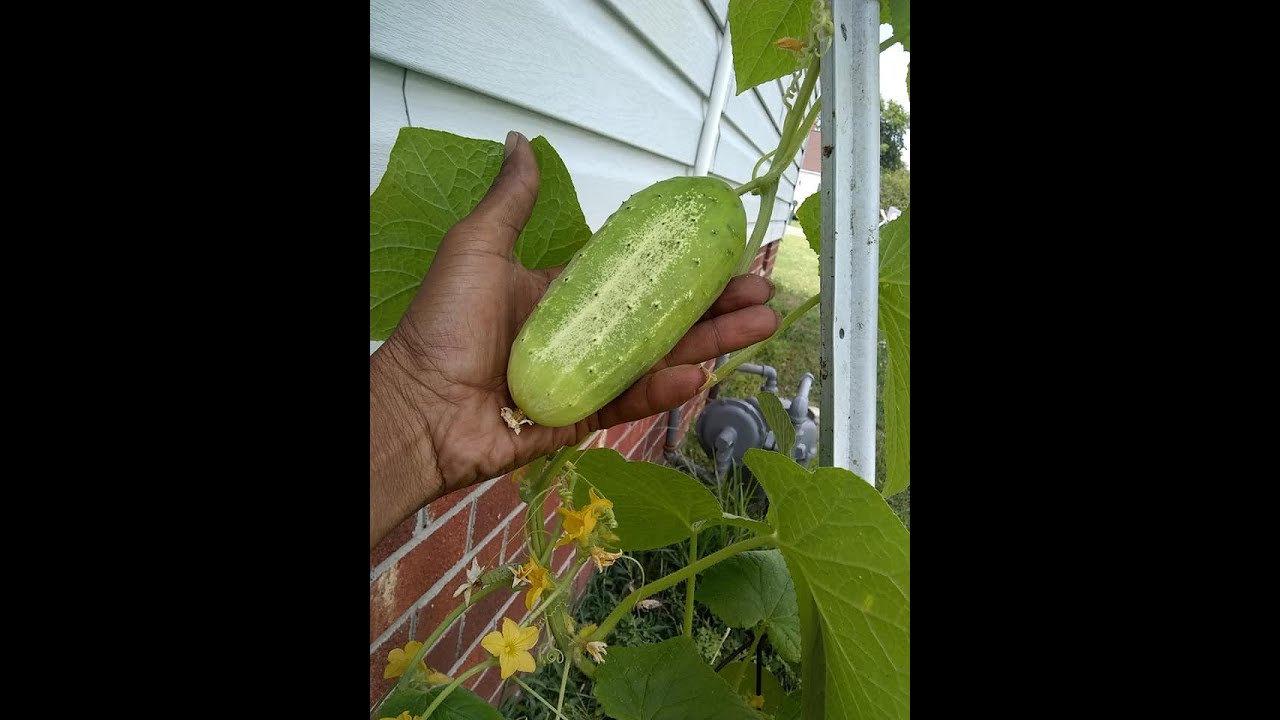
pixel 453 343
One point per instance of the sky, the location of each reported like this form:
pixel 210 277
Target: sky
pixel 893 80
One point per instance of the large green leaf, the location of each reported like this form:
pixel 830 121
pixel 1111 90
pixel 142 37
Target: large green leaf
pixel 751 588
pixel 895 321
pixel 900 10
pixel 850 558
pixel 654 505
pixel 741 676
pixel 433 180
pixel 779 422
pixel 666 681
pixel 790 709
pixel 810 217
pixel 461 704
pixel 754 25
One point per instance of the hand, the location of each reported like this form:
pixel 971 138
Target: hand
pixel 438 385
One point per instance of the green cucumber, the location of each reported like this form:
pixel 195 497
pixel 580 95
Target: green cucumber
pixel 626 298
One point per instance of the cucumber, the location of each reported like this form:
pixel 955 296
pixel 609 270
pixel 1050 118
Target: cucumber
pixel 626 298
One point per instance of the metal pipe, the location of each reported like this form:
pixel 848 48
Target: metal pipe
pixel 715 106
pixel 850 257
pixel 723 448
pixel 769 373
pixel 800 404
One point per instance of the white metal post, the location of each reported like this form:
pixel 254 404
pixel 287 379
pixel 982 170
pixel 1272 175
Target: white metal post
pixel 850 258
pixel 720 86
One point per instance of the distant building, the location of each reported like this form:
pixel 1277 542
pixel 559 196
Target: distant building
pixel 810 169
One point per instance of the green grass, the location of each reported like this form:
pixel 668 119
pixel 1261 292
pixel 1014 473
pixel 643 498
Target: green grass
pixel 795 274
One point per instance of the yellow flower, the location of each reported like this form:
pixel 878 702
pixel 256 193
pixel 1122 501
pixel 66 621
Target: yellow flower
pixel 511 647
pixel 398 660
pixel 597 650
pixel 536 576
pixel 404 716
pixel 757 701
pixel 603 558
pixel 578 524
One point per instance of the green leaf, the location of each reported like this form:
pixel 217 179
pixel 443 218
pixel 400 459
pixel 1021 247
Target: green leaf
pixel 433 180
pixel 654 505
pixel 895 321
pixel 900 10
pixel 461 704
pixel 754 25
pixel 666 681
pixel 790 709
pixel 751 588
pixel 741 676
pixel 779 421
pixel 557 228
pixel 810 216
pixel 850 559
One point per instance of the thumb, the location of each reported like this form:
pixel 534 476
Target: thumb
pixel 497 220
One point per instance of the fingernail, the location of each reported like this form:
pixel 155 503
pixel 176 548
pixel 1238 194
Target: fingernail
pixel 512 139
pixel 772 289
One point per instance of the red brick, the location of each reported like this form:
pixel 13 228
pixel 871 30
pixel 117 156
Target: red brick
pixel 514 553
pixel 480 617
pixel 477 654
pixel 635 436
pixel 581 579
pixel 400 585
pixel 378 662
pixel 398 536
pixel 652 449
pixel 560 555
pixel 434 611
pixel 490 554
pixel 549 508
pixel 443 504
pixel 444 653
pixel 494 505
pixel 473 630
pixel 486 684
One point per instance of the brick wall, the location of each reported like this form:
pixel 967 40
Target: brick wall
pixel 414 571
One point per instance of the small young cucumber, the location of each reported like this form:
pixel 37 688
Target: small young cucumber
pixel 626 298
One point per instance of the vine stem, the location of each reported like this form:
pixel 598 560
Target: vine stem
pixel 743 355
pixel 564 681
pixel 689 585
pixel 539 698
pixel 675 578
pixel 793 132
pixel 440 629
pixel 534 528
pixel 478 667
pixel 561 586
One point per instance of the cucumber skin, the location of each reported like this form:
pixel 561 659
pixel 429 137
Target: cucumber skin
pixel 626 298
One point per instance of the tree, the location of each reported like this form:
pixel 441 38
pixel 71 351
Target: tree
pixel 895 188
pixel 894 123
